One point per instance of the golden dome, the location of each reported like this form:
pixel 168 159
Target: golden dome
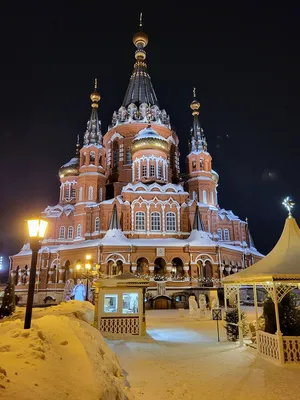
pixel 140 55
pixel 195 105
pixel 140 39
pixel 215 176
pixel 71 168
pixel 148 138
pixel 95 96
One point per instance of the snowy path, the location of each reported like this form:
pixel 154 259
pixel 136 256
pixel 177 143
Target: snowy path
pixel 180 359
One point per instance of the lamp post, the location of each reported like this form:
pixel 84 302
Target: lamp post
pixel 37 229
pixel 88 267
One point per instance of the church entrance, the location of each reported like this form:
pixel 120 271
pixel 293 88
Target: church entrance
pixel 162 303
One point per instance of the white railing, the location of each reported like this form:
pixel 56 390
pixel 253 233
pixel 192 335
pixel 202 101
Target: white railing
pixel 291 349
pixel 268 345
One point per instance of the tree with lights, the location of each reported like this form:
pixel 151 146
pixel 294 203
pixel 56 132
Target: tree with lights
pixel 8 303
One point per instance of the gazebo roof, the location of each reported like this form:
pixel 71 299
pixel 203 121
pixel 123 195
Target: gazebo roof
pixel 281 264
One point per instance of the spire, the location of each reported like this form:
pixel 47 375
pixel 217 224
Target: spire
pixel 114 222
pixel 198 223
pixel 93 130
pixel 288 204
pixel 197 141
pixel 140 89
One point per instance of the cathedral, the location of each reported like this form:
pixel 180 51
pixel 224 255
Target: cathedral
pixel 124 206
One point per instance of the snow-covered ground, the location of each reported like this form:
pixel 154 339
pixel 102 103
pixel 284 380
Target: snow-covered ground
pixel 60 357
pixel 181 359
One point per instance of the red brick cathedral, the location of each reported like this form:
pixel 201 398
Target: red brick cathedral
pixel 125 206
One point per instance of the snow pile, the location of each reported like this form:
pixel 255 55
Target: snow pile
pixel 61 356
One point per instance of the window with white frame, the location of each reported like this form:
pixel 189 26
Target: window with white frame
pixel 212 198
pixel 128 156
pixel 78 231
pixel 204 196
pixel 140 221
pixel 67 191
pixel 226 234
pixel 90 193
pixel 62 232
pixel 70 232
pixel 73 192
pixel 155 221
pixel 97 224
pixel 92 157
pixel 195 196
pixel 159 171
pixel 80 194
pixel 101 194
pixel 170 222
pixel 152 170
pixel 144 171
pixel 219 233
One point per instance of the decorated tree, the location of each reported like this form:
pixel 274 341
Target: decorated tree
pixel 231 319
pixel 8 302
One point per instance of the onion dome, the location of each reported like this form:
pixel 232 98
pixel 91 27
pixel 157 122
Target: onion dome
pixel 148 138
pixel 71 168
pixel 215 176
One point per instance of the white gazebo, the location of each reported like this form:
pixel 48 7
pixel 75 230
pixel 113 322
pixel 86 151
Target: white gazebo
pixel 278 273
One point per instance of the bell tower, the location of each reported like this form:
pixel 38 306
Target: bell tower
pixel 92 179
pixel 202 179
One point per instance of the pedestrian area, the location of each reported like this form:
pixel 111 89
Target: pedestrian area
pixel 180 358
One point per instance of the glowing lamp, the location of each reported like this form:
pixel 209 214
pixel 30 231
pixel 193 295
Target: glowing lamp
pixel 88 257
pixel 37 228
pixel 88 266
pixel 78 266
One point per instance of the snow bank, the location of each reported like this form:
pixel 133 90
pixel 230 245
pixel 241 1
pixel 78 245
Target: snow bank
pixel 60 357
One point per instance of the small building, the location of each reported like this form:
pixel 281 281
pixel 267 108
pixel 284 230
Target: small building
pixel 120 306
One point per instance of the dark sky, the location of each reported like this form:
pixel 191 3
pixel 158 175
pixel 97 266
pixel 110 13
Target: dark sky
pixel 243 60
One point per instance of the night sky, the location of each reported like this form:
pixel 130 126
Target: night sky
pixel 244 63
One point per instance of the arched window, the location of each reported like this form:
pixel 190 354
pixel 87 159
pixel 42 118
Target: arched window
pixel 204 196
pixel 62 232
pixel 219 232
pixel 195 196
pixel 73 192
pixel 201 164
pixel 155 221
pixel 159 172
pixel 152 170
pixel 92 157
pixel 67 191
pixel 97 224
pixel 80 194
pixel 100 160
pixel 90 193
pixel 128 156
pixel 139 221
pixel 226 234
pixel 170 222
pixel 70 232
pixel 78 232
pixel 101 194
pixel 144 171
pixel 212 197
pixel 194 165
pixel 116 157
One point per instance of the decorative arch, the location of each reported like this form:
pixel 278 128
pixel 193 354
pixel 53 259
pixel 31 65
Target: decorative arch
pixel 203 258
pixel 115 257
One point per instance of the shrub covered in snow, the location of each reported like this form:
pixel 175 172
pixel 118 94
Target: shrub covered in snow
pixel 231 318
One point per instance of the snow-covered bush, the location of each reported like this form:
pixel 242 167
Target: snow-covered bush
pixel 231 318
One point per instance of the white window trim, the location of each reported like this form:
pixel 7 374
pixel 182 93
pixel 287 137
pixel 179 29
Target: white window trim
pixel 62 229
pixel 139 214
pixel 155 214
pixel 169 213
pixel 70 229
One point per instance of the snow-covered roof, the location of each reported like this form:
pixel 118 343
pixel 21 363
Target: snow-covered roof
pixel 227 213
pixel 147 133
pixel 154 187
pixel 282 263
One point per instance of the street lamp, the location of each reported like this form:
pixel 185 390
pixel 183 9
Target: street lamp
pixel 36 229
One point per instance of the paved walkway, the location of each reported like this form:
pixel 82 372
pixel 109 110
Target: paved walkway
pixel 181 359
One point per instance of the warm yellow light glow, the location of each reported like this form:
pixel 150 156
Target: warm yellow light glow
pixel 37 228
pixel 88 266
pixel 88 257
pixel 97 266
pixel 78 266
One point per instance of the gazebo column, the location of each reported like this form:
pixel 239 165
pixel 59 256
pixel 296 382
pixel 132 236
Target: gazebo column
pixel 256 316
pixel 241 338
pixel 278 331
